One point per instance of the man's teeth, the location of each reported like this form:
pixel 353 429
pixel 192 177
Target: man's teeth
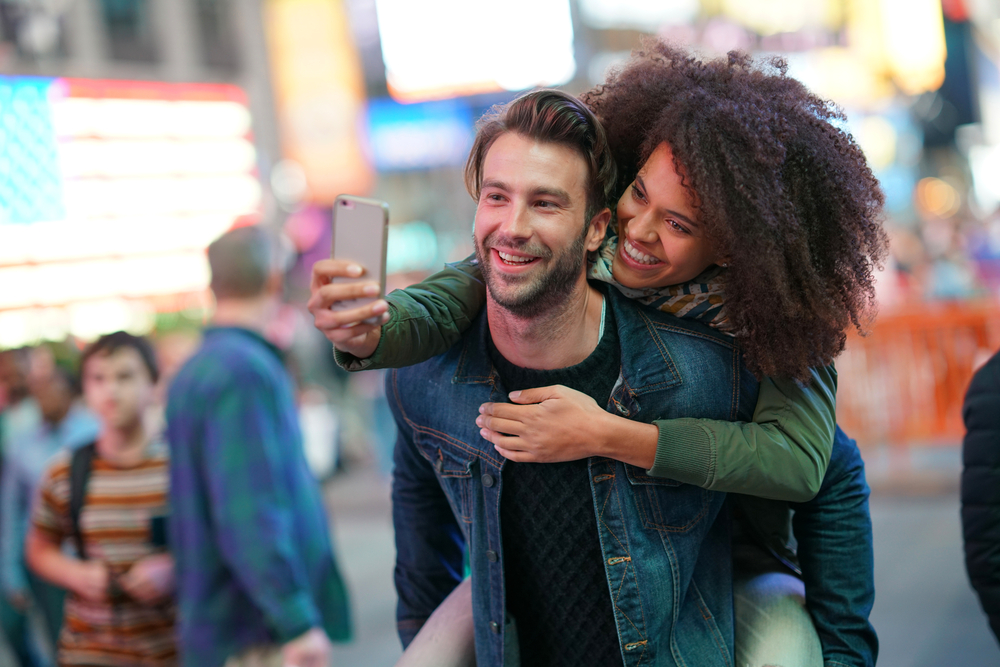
pixel 638 256
pixel 514 259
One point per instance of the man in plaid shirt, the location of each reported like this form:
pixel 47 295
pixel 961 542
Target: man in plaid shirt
pixel 257 581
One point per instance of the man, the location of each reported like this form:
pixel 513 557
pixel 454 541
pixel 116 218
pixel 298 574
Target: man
pixel 980 485
pixel 107 499
pixel 257 581
pixel 585 562
pixel 65 425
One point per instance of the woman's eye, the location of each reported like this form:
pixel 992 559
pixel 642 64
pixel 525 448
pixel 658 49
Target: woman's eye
pixel 677 227
pixel 637 193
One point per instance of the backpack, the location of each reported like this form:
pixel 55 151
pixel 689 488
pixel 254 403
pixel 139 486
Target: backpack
pixel 80 464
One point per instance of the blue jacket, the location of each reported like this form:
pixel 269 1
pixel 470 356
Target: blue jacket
pixel 666 545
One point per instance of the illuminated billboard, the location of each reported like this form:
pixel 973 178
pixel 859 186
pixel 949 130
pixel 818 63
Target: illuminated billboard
pixel 438 49
pixel 111 190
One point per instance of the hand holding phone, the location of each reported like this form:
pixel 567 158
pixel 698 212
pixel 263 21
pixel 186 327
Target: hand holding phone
pixel 346 290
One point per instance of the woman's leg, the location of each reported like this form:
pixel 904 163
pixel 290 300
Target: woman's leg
pixel 448 637
pixel 772 624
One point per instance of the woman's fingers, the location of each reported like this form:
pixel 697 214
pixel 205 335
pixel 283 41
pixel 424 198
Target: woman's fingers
pixel 335 293
pixel 508 426
pixel 538 394
pixel 326 270
pixel 326 319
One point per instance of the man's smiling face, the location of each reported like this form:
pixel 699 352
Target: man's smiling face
pixel 531 234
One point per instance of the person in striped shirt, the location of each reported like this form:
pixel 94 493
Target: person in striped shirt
pixel 120 609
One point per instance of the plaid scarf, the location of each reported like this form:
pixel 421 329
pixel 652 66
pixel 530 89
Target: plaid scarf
pixel 700 299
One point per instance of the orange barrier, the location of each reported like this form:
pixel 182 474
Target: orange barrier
pixel 905 382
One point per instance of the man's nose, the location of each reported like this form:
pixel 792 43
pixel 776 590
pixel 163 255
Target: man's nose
pixel 518 224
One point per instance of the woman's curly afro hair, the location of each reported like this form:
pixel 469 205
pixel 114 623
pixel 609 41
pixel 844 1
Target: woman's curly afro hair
pixel 782 191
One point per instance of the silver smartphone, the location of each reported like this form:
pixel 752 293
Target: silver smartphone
pixel 361 234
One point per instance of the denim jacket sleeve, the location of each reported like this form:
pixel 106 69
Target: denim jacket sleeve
pixel 430 546
pixel 425 319
pixel 782 455
pixel 834 533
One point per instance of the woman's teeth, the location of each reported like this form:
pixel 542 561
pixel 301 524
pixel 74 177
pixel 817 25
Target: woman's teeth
pixel 514 259
pixel 637 255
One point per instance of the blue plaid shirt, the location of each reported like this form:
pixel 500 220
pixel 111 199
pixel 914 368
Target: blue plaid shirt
pixel 248 529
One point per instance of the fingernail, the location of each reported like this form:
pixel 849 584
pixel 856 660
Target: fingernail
pixel 479 421
pixel 354 270
pixel 482 432
pixel 514 394
pixel 380 307
pixel 371 290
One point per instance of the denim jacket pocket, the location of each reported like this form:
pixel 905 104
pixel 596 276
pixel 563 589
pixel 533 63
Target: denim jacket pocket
pixel 453 466
pixel 666 504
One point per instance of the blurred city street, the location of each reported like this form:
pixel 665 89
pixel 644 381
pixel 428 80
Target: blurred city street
pixel 925 612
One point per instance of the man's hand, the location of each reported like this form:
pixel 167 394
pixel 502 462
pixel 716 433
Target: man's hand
pixel 90 581
pixel 551 424
pixel 311 649
pixel 150 579
pixel 346 329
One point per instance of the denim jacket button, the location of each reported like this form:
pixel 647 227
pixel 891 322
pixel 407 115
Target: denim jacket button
pixel 492 556
pixel 495 627
pixel 488 480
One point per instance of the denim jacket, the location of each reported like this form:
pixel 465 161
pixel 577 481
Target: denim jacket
pixel 665 545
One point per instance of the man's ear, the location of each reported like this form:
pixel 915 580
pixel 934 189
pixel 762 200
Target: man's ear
pixel 275 284
pixel 598 228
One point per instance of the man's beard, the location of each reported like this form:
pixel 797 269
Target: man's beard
pixel 530 296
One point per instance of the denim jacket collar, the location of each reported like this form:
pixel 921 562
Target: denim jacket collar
pixel 638 334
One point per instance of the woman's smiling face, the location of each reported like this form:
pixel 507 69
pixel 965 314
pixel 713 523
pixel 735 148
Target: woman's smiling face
pixel 660 240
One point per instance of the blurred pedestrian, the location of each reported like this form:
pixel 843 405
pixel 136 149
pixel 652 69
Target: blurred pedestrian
pixel 109 498
pixel 19 413
pixel 981 487
pixel 257 580
pixel 65 425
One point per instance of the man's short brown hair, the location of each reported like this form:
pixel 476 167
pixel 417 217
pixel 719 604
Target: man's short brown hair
pixel 548 116
pixel 242 260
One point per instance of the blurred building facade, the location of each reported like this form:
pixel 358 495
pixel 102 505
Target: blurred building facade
pixel 301 100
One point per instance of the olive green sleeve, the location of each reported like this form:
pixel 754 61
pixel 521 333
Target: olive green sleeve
pixel 425 319
pixel 782 454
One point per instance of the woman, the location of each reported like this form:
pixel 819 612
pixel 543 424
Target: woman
pixel 742 205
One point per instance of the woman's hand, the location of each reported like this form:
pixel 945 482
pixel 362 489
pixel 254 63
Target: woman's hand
pixel 553 424
pixel 547 425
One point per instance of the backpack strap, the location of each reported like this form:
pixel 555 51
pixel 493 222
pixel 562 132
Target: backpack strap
pixel 79 474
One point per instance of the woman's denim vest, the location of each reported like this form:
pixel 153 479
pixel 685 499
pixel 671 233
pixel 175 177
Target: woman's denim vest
pixel 666 545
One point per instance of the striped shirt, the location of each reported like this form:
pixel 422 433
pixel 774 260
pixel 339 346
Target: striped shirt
pixel 115 523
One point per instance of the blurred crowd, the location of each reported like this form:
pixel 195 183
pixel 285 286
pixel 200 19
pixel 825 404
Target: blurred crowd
pixel 52 404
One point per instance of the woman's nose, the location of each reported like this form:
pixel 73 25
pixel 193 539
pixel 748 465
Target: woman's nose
pixel 643 228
